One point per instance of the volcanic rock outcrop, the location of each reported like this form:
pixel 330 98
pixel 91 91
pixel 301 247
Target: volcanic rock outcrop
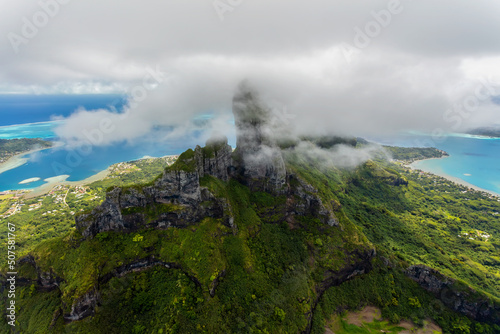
pixel 175 198
pixel 258 159
pixel 456 296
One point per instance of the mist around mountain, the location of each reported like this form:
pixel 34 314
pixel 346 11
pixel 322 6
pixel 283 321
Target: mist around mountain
pixel 276 236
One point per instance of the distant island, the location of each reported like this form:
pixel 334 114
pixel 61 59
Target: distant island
pixel 411 154
pixel 13 147
pixel 485 131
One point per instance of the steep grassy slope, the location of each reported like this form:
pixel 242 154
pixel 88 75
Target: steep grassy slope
pixel 443 229
pixel 425 220
pixel 266 271
pixel 264 275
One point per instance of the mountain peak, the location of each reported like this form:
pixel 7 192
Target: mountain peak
pixel 261 163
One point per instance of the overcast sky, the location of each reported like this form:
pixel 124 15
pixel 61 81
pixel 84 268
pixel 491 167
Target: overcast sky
pixel 343 67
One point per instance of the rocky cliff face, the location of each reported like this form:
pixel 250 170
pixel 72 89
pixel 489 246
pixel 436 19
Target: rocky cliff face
pixel 303 200
pixel 215 158
pixel 105 217
pixel 259 160
pixel 46 280
pixel 454 295
pixel 175 199
pixel 84 306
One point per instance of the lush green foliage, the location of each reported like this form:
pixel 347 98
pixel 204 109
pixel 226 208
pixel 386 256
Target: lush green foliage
pixel 266 280
pixel 423 222
pixel 431 221
pixel 398 298
pixel 185 162
pixel 413 153
pixel 55 218
pixel 10 147
pixel 266 271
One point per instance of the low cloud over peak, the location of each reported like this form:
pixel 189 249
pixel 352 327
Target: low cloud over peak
pixel 356 68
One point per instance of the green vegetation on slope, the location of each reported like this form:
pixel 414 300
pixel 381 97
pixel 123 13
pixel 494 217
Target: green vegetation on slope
pixel 398 298
pixel 266 275
pixel 431 221
pixel 416 223
pixel 410 154
pixel 54 218
pixel 11 147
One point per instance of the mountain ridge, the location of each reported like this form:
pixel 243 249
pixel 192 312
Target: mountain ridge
pixel 220 243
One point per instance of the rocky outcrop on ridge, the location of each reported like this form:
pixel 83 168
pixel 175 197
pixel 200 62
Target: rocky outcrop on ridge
pixel 84 306
pixel 176 198
pixel 215 158
pixel 303 200
pixel 259 161
pixel 46 280
pixel 456 296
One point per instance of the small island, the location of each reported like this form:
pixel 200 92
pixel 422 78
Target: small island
pixel 13 147
pixel 13 150
pixel 492 132
pixel 30 180
pixel 412 154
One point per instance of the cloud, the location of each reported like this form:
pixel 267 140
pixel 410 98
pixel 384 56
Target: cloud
pixel 293 52
pixel 340 156
pixel 372 97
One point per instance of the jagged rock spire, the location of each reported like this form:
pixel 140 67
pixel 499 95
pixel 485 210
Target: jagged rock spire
pixel 215 158
pixel 259 160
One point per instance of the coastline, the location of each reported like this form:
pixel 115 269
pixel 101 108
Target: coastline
pixel 415 166
pixel 19 159
pixel 61 180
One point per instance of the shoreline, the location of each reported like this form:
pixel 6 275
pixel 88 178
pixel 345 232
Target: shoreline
pixel 61 179
pixel 454 179
pixel 19 159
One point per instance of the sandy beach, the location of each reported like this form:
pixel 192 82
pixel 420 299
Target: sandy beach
pixel 33 179
pixel 61 180
pixel 417 165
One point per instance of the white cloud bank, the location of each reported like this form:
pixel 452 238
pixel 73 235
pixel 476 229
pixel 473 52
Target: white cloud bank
pixel 433 67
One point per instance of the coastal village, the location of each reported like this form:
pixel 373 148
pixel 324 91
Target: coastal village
pixel 5 156
pixel 64 199
pixel 464 189
pixel 51 211
pixel 57 196
pixel 121 168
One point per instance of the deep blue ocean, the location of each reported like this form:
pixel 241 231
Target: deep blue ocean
pixel 33 117
pixel 472 159
pixel 22 109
